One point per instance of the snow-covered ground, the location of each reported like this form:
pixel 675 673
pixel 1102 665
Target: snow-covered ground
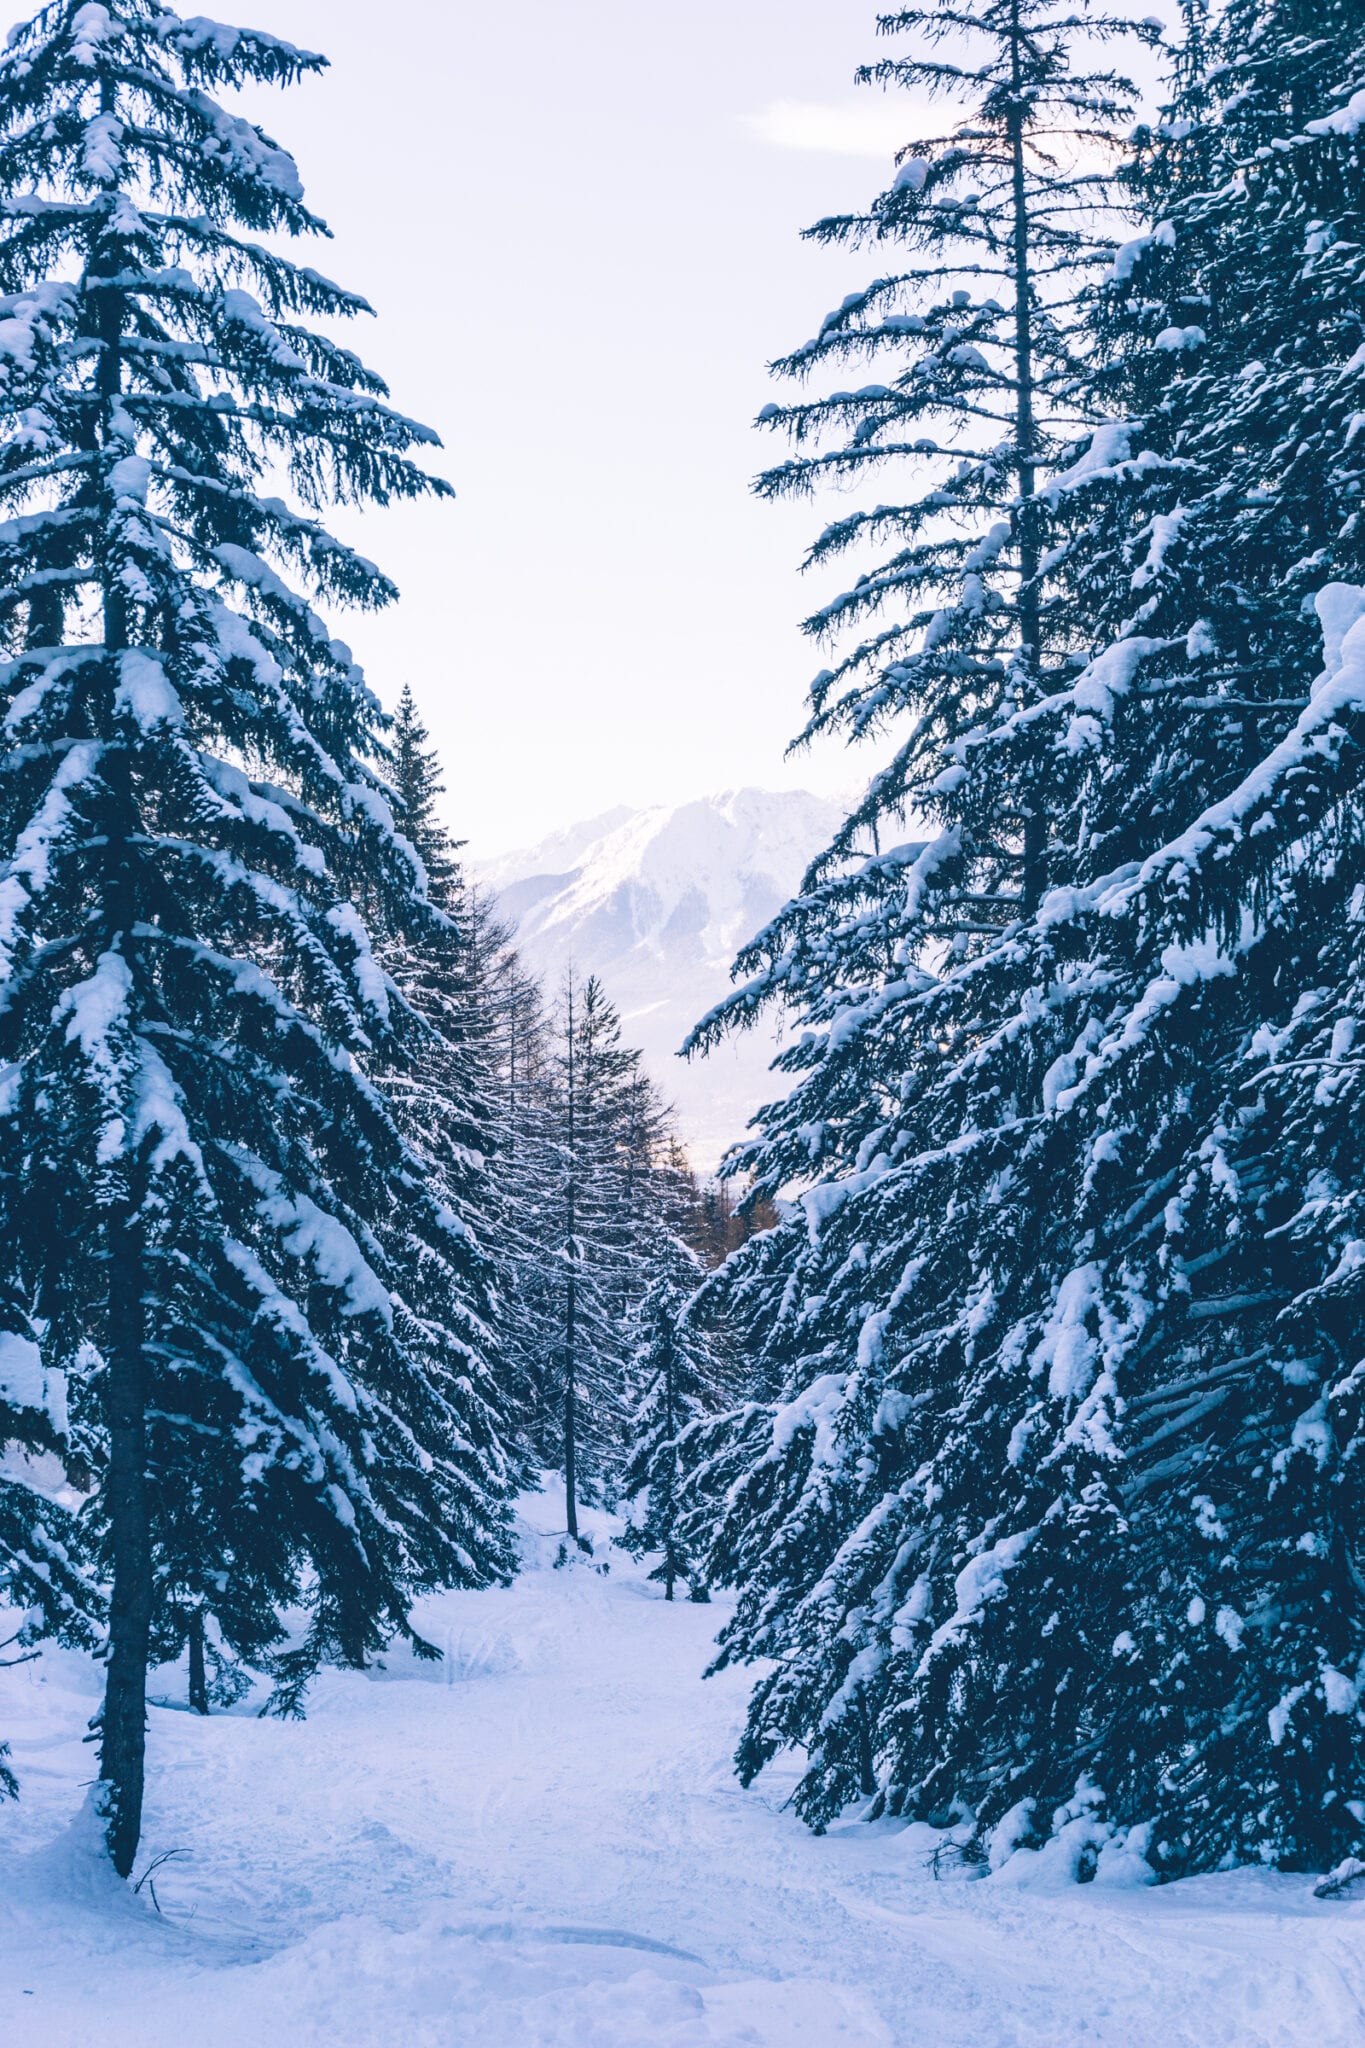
pixel 539 1844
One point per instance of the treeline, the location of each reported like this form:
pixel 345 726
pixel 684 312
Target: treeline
pixel 539 1125
pixel 321 1228
pixel 1051 1526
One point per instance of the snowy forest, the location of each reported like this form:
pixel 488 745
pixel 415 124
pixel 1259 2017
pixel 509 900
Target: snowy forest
pixel 990 1432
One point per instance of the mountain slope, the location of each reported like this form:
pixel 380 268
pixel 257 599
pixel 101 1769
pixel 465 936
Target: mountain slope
pixel 657 902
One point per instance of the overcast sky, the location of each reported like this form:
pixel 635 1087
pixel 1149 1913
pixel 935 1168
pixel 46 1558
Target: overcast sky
pixel 578 221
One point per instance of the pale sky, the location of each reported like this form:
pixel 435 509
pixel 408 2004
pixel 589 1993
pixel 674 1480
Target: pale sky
pixel 578 222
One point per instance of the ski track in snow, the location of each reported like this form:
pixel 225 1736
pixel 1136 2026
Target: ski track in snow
pixel 539 1843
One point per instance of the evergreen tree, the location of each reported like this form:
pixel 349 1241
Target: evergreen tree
pixel 526 1185
pixel 1091 1468
pixel 595 1202
pixel 723 1217
pixel 206 1202
pixel 595 1133
pixel 1208 1322
pixel 905 963
pixel 1173 1507
pixel 670 1364
pixel 415 770
pixel 442 1090
pixel 471 1107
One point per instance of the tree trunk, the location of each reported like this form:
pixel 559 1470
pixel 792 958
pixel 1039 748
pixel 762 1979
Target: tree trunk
pixel 123 1721
pixel 671 1425
pixel 1026 440
pixel 867 1777
pixel 570 1416
pixel 571 1301
pixel 199 1684
pixel 123 1718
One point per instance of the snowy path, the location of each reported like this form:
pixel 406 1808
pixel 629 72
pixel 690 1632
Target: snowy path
pixel 540 1845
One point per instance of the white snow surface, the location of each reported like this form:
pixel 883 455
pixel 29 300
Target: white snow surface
pixel 538 1843
pixel 24 1383
pixel 658 902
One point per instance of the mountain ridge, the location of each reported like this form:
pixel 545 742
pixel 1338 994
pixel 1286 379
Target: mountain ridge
pixel 657 902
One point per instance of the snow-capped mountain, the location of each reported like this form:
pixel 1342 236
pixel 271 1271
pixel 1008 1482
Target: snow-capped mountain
pixel 657 902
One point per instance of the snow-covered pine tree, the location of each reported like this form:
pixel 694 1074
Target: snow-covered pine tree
pixel 721 1219
pixel 595 1112
pixel 415 771
pixel 1155 1623
pixel 1103 1577
pixel 1204 1337
pixel 444 1089
pixel 672 1366
pixel 905 964
pixel 472 1106
pixel 210 1216
pixel 598 1202
pixel 526 1186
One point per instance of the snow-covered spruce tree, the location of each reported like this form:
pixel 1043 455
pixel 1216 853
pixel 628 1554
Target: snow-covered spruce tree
pixel 597 1202
pixel 901 961
pixel 526 1185
pixel 444 1090
pixel 208 1213
pixel 671 1364
pixel 1157 1622
pixel 415 771
pixel 601 1121
pixel 468 1106
pixel 1106 1559
pixel 1206 1338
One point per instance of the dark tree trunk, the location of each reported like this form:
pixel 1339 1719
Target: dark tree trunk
pixel 123 1722
pixel 570 1417
pixel 571 1301
pixel 671 1425
pixel 1035 821
pixel 867 1778
pixel 123 1718
pixel 199 1683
